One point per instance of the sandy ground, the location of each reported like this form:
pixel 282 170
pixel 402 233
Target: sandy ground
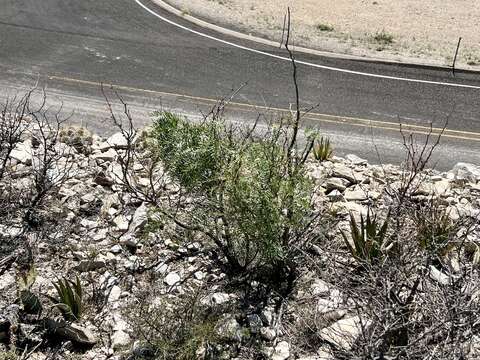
pixel 420 30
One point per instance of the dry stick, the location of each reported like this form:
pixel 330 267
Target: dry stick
pixel 288 154
pixel 456 54
pixel 283 30
pixel 7 262
pixel 295 82
pixel 220 106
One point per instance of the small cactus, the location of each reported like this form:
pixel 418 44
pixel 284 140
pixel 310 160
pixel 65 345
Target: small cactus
pixel 31 302
pixel 78 137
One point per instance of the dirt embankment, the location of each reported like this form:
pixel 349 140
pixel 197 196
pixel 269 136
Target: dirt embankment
pixel 408 30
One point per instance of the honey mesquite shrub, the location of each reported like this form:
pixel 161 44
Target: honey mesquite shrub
pixel 257 192
pixel 252 191
pixel 192 153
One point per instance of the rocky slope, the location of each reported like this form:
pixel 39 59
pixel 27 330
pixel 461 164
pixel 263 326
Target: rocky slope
pixel 109 240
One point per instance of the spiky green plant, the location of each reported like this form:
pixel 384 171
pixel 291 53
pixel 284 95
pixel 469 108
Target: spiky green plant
pixel 322 149
pixel 368 238
pixel 70 298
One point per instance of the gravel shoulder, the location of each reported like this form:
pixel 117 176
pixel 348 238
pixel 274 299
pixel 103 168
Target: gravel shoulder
pixel 424 31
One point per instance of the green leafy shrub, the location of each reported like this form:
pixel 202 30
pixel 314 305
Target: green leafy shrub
pixel 255 193
pixel 192 153
pixel 322 150
pixel 70 298
pixel 368 238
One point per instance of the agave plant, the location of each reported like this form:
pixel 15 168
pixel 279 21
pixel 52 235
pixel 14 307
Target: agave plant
pixel 70 298
pixel 322 149
pixel 368 238
pixel 31 303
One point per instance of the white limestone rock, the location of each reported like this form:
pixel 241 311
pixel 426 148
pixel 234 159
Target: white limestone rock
pixel 466 172
pixel 117 141
pixel 172 279
pixel 344 332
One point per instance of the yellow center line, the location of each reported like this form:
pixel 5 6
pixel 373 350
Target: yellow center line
pixel 353 121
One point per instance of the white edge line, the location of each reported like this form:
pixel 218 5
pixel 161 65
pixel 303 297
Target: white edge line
pixel 304 62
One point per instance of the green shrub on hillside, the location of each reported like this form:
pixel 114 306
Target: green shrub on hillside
pixel 192 153
pixel 255 194
pixel 257 190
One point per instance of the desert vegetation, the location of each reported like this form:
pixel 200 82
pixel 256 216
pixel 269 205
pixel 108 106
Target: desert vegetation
pixel 240 243
pixel 212 240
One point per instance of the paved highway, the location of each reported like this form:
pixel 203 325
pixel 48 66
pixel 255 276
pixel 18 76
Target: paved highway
pixel 71 46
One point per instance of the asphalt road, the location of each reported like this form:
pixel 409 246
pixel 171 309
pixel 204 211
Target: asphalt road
pixel 71 46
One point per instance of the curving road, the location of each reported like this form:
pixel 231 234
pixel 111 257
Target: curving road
pixel 71 46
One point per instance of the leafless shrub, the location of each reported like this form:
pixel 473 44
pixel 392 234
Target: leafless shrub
pixel 176 328
pixel 420 300
pixel 135 151
pixel 14 117
pixel 33 167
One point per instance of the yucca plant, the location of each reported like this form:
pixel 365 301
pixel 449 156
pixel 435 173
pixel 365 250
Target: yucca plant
pixel 368 238
pixel 322 150
pixel 70 298
pixel 31 303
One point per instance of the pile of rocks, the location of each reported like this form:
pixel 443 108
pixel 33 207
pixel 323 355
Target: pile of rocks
pixel 352 183
pixel 109 248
